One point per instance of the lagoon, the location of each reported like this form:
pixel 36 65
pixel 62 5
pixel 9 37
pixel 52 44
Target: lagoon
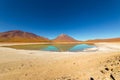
pixel 54 47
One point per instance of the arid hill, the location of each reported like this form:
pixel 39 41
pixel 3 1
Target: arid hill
pixel 64 38
pixel 21 36
pixel 105 40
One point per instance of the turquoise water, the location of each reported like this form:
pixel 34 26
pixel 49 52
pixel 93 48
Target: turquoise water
pixel 81 47
pixel 56 47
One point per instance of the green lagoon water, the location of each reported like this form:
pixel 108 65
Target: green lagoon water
pixel 54 47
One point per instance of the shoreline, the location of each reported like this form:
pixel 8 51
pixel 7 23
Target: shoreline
pixel 104 46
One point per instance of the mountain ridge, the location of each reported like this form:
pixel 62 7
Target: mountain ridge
pixel 22 36
pixel 105 40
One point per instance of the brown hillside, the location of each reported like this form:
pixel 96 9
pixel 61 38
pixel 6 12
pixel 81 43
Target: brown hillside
pixel 64 38
pixel 20 36
pixel 105 40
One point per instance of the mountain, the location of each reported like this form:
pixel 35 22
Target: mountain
pixel 64 38
pixel 21 36
pixel 105 40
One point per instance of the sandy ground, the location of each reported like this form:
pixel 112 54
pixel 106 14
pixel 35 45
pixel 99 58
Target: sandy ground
pixel 101 63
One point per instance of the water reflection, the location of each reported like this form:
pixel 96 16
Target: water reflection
pixel 59 47
pixel 54 47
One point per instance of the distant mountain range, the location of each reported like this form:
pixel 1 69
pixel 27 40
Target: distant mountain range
pixel 21 36
pixel 105 40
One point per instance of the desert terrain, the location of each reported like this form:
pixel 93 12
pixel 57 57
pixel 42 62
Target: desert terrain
pixel 100 63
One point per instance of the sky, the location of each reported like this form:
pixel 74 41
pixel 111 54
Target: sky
pixel 81 19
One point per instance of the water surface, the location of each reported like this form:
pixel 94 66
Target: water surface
pixel 54 47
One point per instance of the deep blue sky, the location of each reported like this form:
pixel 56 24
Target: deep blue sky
pixel 81 19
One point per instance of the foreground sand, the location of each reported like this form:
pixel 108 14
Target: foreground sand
pixel 102 63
